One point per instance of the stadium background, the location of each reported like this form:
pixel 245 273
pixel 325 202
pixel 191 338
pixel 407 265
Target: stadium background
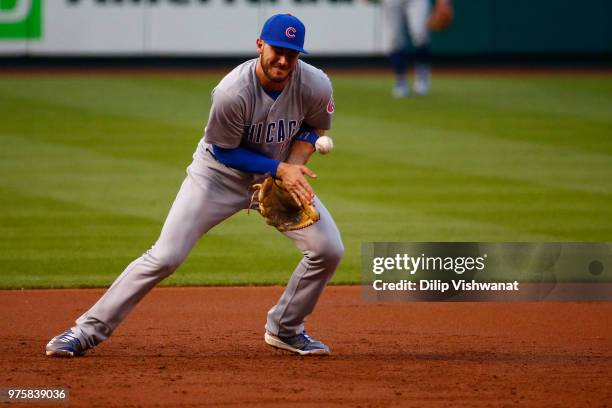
pixel 543 28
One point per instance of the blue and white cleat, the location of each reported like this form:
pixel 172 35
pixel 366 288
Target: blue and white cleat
pixel 422 80
pixel 422 86
pixel 400 90
pixel 66 344
pixel 301 344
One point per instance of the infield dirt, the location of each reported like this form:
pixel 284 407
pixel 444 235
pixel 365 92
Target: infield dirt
pixel 204 347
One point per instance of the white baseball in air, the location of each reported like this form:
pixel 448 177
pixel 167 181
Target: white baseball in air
pixel 324 144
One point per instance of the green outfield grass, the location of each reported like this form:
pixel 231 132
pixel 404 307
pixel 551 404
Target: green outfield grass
pixel 89 167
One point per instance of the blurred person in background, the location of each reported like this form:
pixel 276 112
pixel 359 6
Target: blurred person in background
pixel 416 16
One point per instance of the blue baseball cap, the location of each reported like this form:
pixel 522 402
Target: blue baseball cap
pixel 285 31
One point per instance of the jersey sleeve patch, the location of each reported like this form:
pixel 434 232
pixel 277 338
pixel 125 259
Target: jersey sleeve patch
pixel 330 105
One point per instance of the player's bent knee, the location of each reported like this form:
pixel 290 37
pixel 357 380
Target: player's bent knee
pixel 335 251
pixel 327 251
pixel 167 263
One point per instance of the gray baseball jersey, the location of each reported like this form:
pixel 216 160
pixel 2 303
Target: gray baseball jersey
pixel 243 114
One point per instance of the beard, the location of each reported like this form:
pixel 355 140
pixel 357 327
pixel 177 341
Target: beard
pixel 267 70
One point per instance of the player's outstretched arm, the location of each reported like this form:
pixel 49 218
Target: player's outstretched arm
pixel 301 150
pixel 303 147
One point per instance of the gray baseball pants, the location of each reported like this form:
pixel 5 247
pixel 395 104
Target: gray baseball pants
pixel 210 193
pixel 414 14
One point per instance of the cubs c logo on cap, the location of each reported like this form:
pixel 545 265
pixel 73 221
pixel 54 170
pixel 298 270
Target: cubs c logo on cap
pixel 290 32
pixel 282 30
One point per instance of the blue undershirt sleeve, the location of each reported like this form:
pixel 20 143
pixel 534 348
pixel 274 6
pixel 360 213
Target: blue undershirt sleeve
pixel 247 160
pixel 308 136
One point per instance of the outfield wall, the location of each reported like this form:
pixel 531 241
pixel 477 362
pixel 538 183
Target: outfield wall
pixel 334 27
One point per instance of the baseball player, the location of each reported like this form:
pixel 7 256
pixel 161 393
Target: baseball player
pixel 255 128
pixel 414 15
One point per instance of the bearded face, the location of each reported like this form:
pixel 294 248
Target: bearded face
pixel 277 63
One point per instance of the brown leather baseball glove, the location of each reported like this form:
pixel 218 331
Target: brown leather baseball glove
pixel 441 17
pixel 279 209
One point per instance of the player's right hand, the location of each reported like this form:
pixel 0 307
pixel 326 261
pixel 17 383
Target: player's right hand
pixel 292 176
